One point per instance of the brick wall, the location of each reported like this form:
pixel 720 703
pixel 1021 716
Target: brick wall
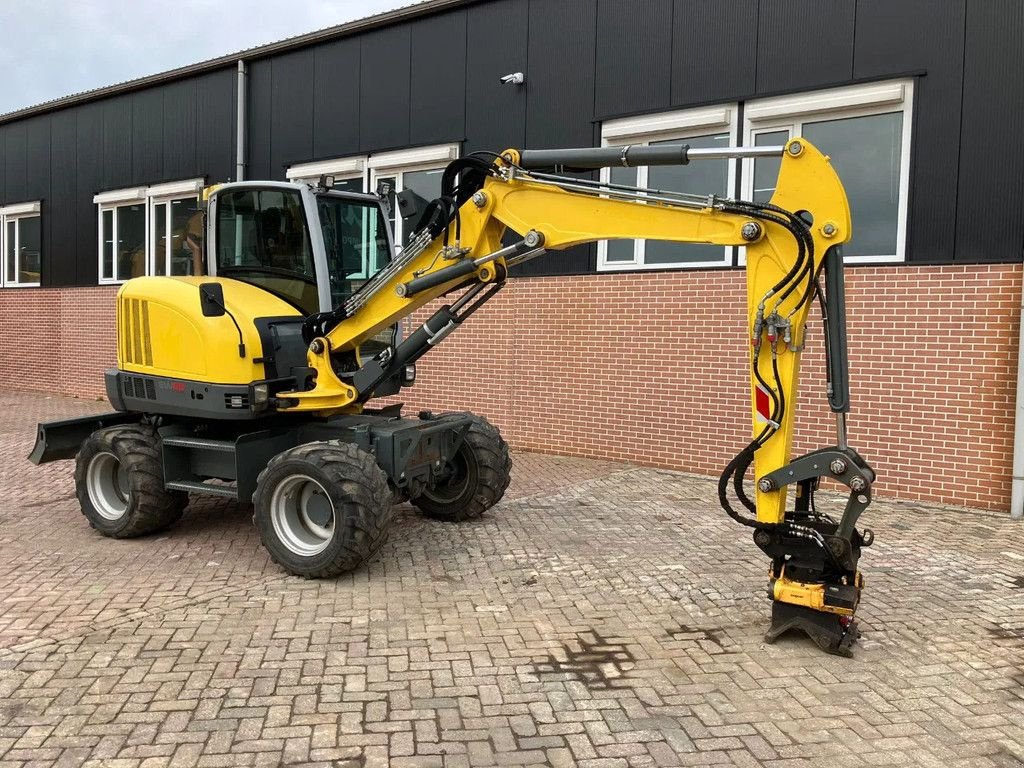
pixel 57 340
pixel 652 368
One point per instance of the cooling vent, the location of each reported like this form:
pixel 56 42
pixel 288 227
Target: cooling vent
pixel 133 325
pixel 138 387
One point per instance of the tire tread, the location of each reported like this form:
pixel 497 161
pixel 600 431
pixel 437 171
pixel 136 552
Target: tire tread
pixel 362 499
pixel 494 473
pixel 151 507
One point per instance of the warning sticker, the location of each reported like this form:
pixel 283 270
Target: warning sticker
pixel 763 401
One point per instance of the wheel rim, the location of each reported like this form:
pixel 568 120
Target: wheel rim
pixel 107 483
pixel 303 515
pixel 457 484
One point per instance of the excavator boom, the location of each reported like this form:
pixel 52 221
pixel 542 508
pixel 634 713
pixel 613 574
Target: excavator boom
pixel 251 381
pixel 787 243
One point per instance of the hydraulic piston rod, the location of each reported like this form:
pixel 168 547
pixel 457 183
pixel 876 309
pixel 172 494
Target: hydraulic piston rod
pixel 630 156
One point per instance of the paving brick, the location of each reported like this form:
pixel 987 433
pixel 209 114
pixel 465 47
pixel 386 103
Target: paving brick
pixel 602 614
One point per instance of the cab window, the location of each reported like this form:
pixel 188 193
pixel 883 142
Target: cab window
pixel 356 241
pixel 262 239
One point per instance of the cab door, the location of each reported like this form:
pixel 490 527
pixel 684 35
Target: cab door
pixel 266 234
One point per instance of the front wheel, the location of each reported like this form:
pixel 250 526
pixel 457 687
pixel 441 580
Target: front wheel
pixel 475 479
pixel 322 508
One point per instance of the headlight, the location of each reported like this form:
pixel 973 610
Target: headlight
pixel 260 397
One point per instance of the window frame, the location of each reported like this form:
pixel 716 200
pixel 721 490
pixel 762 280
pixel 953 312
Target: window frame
pixel 151 197
pixel 791 112
pixel 15 213
pixel 162 195
pixel 677 125
pixel 371 167
pixel 341 168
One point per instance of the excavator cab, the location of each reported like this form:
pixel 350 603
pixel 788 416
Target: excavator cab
pixel 309 245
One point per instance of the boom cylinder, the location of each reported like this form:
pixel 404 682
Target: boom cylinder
pixel 630 156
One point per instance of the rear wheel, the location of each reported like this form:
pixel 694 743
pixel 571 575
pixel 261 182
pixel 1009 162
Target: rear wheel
pixel 119 480
pixel 322 508
pixel 475 479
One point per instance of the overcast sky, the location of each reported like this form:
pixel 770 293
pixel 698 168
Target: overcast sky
pixel 52 48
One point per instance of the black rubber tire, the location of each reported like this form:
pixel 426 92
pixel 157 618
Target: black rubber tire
pixel 483 470
pixel 150 506
pixel 360 495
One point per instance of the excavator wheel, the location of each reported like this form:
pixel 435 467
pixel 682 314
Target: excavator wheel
pixel 322 508
pixel 476 478
pixel 119 480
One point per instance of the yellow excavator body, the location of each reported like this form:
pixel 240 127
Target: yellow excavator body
pixel 161 330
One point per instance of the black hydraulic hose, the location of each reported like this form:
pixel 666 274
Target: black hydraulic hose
pixel 759 211
pixel 823 306
pixel 744 457
pixel 803 265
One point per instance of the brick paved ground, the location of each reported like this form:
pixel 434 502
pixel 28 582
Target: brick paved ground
pixel 602 615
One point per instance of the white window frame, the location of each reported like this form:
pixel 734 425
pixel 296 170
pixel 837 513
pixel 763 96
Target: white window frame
pixel 160 197
pixel 792 111
pixel 341 168
pixel 15 213
pixel 371 167
pixel 153 196
pixel 667 126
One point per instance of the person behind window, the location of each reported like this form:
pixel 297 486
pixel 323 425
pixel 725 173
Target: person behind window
pixel 194 243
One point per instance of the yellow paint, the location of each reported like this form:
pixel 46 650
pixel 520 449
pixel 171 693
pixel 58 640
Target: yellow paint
pixel 807 182
pixel 812 596
pixel 184 344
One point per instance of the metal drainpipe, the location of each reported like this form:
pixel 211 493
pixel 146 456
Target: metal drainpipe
pixel 240 129
pixel 1017 492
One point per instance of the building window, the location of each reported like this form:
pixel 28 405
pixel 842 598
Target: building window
pixel 387 173
pixel 122 233
pixel 866 131
pixel 150 231
pixel 176 229
pixel 21 237
pixel 713 127
pixel 349 173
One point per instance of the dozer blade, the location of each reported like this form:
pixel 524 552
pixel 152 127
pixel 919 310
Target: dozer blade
pixel 832 633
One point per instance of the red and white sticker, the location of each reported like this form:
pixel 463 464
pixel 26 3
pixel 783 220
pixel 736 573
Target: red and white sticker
pixel 763 401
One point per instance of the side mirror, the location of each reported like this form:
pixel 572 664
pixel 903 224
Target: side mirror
pixel 211 299
pixel 411 206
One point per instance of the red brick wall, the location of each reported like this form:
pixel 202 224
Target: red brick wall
pixel 652 368
pixel 57 340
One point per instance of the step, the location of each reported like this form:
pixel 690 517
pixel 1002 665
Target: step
pixel 199 443
pixel 193 486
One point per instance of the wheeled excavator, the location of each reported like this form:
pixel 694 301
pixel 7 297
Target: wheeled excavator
pixel 254 381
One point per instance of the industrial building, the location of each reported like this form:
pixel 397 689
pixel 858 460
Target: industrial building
pixel 631 350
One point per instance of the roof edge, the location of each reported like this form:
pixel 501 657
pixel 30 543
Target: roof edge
pixel 386 18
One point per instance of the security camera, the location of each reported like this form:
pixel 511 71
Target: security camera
pixel 516 78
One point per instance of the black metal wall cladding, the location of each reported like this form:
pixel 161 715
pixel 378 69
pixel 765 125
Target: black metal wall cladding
pixel 434 78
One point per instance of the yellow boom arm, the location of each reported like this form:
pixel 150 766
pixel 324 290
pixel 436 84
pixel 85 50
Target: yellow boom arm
pixel 814 582
pixel 566 217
